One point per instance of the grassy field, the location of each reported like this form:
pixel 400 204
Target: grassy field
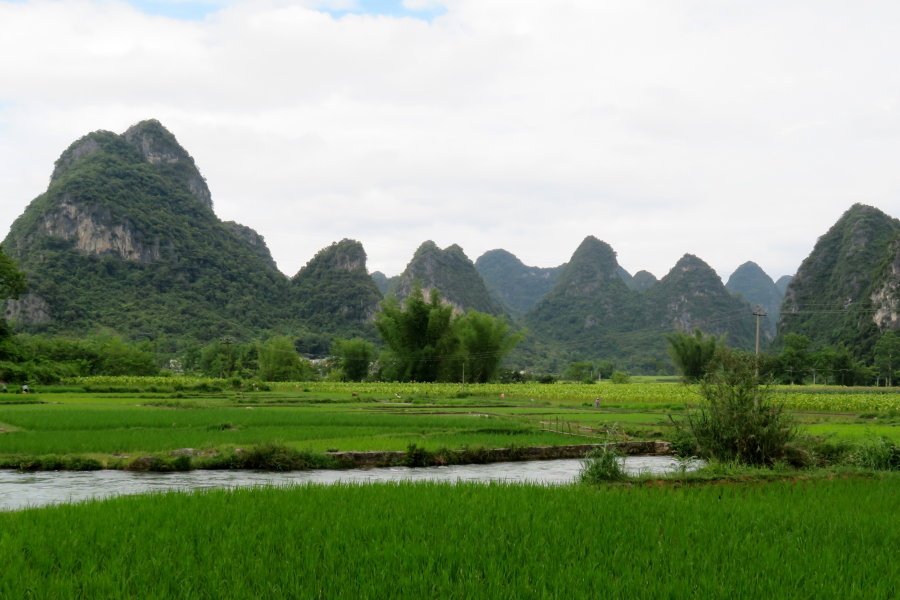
pixel 778 540
pixel 107 425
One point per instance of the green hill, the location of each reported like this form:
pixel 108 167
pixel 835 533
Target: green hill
pixel 125 240
pixel 452 273
pixel 757 288
pixel 829 299
pixel 642 281
pixel 334 293
pixel 592 314
pixel 513 283
pixel 782 283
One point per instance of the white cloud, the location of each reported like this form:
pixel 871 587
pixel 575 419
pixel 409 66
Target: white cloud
pixel 735 131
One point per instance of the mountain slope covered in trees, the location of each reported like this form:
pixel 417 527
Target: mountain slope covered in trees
pixel 512 282
pixel 757 288
pixel 452 273
pixel 830 299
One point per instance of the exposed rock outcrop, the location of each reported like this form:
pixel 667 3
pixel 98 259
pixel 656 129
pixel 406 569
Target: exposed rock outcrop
pixel 29 309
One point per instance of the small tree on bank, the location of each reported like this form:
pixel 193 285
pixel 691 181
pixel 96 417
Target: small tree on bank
pixel 738 419
pixel 353 357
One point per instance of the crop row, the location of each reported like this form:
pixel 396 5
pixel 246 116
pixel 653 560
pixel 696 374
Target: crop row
pixel 807 399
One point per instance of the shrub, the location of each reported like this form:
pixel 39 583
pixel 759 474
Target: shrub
pixel 879 454
pixel 739 421
pixel 602 464
pixel 620 377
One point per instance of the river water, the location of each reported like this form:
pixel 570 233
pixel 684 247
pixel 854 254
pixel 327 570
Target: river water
pixel 20 490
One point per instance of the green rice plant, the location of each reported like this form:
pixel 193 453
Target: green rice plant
pixel 879 454
pixel 603 464
pixel 776 540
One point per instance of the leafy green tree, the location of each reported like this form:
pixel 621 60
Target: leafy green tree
pixel 692 353
pixel 579 371
pixel 118 358
pixel 486 340
pixel 847 371
pixel 353 357
pixel 822 364
pixel 620 377
pixel 795 361
pixel 887 355
pixel 279 361
pixel 605 368
pixel 12 280
pixel 420 337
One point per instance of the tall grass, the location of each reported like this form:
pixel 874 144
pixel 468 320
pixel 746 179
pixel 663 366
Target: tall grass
pixel 427 540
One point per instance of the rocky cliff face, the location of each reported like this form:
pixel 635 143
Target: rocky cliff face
pixel 160 148
pixel 94 231
pixel 30 309
pixel 885 293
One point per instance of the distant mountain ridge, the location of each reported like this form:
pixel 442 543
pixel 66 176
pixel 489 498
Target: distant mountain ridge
pixel 757 288
pixel 513 283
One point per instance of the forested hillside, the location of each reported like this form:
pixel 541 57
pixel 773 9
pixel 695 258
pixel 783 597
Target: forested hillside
pixel 592 314
pixel 830 299
pixel 450 271
pixel 125 240
pixel 757 288
pixel 513 283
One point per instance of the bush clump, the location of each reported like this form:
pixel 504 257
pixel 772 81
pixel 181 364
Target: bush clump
pixel 739 421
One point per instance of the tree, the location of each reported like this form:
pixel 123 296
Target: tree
pixel 822 364
pixel 579 371
pixel 279 361
pixel 420 337
pixel 118 358
pixel 12 280
pixel 739 420
pixel 353 357
pixel 692 353
pixel 795 361
pixel 887 355
pixel 485 341
pixel 605 368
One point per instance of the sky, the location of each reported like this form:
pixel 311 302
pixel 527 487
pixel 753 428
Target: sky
pixel 732 130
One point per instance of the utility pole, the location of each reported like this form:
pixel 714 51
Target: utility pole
pixel 228 342
pixel 757 313
pixel 464 376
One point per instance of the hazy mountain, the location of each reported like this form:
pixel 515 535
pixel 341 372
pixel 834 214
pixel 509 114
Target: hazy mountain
pixel 757 288
pixel 512 283
pixel 452 273
pixel 625 275
pixel 642 281
pixel 382 281
pixel 830 298
pixel 782 283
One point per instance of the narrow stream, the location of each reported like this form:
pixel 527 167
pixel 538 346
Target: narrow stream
pixel 20 490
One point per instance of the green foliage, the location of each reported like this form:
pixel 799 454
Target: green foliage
pixel 579 371
pixel 879 454
pixel 279 361
pixel 887 355
pixel 794 362
pixel 419 338
pixel 12 280
pixel 353 358
pixel 757 288
pixel 620 377
pixel 739 420
pixel 691 353
pixel 485 341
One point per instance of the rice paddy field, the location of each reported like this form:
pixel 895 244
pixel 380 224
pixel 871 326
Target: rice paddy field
pixel 831 539
pixel 135 416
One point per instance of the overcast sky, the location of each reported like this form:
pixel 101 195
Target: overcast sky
pixel 731 130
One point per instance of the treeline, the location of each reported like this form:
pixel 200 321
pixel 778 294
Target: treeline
pixel 422 341
pixel 797 363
